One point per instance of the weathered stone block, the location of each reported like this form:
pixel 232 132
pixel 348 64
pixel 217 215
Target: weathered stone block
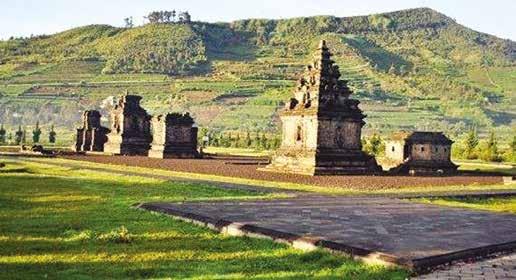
pixel 174 136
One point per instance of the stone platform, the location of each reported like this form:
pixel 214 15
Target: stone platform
pixel 385 230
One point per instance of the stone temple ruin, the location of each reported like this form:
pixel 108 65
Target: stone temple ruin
pixel 130 128
pixel 322 126
pixel 91 136
pixel 321 135
pixel 135 132
pixel 419 152
pixel 174 136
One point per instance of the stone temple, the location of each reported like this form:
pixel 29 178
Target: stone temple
pixel 419 152
pixel 322 126
pixel 130 128
pixel 174 136
pixel 91 136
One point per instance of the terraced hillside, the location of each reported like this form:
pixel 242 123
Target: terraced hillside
pixel 412 69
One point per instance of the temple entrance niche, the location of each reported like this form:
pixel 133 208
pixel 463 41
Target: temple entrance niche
pixel 322 126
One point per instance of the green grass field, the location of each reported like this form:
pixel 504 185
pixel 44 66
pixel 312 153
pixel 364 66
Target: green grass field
pixel 71 223
pixel 506 169
pixel 507 205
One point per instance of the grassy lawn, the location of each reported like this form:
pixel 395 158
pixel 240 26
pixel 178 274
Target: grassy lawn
pixel 507 205
pixel 502 168
pixel 63 223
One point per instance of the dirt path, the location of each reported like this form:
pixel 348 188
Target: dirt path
pixel 227 168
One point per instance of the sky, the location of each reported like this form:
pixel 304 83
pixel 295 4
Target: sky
pixel 26 17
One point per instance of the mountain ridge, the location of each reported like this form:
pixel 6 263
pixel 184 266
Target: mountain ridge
pixel 412 69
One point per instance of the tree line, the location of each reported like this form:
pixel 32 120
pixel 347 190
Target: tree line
pixel 258 141
pixel 19 136
pixel 487 149
pixel 162 17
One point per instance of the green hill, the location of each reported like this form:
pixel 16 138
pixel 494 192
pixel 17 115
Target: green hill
pixel 412 69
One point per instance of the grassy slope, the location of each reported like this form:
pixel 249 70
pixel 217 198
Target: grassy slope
pixel 444 77
pixel 65 223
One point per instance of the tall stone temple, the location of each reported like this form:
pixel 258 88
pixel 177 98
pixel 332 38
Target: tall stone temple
pixel 322 126
pixel 130 128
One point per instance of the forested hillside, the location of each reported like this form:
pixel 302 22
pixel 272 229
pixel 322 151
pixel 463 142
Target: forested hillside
pixel 412 69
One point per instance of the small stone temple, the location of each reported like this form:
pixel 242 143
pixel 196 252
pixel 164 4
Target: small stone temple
pixel 321 125
pixel 91 137
pixel 174 136
pixel 130 128
pixel 421 153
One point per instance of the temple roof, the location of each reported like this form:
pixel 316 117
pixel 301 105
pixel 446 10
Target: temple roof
pixel 428 137
pixel 320 88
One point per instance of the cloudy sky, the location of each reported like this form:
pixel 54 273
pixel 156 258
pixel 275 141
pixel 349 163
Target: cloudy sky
pixel 26 17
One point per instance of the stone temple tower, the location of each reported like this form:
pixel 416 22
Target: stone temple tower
pixel 322 126
pixel 130 128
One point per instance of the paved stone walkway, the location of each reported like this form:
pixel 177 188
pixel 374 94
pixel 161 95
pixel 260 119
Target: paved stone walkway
pixel 499 268
pixel 406 230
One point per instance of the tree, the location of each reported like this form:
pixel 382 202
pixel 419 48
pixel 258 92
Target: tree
pixel 36 133
pixel 263 142
pixel 470 144
pixel 18 136
pixel 166 16
pixel 238 142
pixel 248 140
pixel 173 15
pixel 184 17
pixel 510 154
pixel 153 17
pixel 2 134
pixel 374 146
pixel 52 135
pixel 24 137
pixel 490 150
pixel 256 141
pixel 128 22
pixel 225 141
pixel 276 142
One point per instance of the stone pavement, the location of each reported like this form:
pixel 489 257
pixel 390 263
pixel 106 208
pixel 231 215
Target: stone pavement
pixel 503 267
pixel 418 236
